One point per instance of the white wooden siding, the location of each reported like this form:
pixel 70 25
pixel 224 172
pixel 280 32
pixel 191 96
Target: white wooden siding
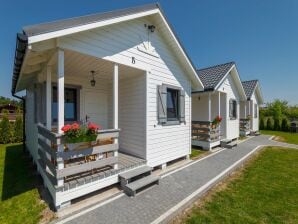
pixel 254 121
pixel 119 43
pixel 229 87
pixel 31 128
pixel 132 115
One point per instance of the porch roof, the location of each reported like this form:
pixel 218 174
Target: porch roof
pixel 51 30
pixel 42 28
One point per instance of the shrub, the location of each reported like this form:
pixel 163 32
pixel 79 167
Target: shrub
pixel 277 124
pixel 285 125
pixel 5 130
pixel 18 129
pixel 269 124
pixel 262 124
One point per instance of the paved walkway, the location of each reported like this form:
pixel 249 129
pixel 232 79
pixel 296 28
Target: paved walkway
pixel 176 190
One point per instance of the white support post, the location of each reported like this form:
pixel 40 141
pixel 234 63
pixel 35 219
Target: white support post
pixel 115 104
pixel 48 105
pixel 49 98
pixel 245 110
pixel 60 98
pixel 60 88
pixel 209 107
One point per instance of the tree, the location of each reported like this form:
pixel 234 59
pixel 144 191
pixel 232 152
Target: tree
pixel 269 124
pixel 5 129
pixel 285 125
pixel 262 124
pixel 18 129
pixel 276 124
pixel 277 109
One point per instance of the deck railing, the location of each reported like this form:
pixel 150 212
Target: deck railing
pixel 205 131
pixel 244 124
pixel 76 159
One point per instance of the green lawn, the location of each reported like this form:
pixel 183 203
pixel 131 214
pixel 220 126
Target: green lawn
pixel 195 152
pixel 19 198
pixel 264 192
pixel 283 136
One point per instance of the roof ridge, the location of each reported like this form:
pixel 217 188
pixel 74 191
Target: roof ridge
pixel 253 80
pixel 214 66
pixel 156 4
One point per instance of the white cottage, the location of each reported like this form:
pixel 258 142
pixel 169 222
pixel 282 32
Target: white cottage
pixel 249 109
pixel 124 70
pixel 222 94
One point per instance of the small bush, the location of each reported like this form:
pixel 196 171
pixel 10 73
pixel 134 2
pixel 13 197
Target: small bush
pixel 269 124
pixel 5 130
pixel 277 124
pixel 262 124
pixel 18 129
pixel 285 125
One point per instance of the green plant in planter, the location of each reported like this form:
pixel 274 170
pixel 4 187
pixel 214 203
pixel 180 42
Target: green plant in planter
pixel 217 120
pixel 74 133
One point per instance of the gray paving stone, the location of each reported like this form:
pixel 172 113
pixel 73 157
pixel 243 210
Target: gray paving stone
pixel 149 205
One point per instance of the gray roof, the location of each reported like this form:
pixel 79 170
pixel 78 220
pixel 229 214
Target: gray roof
pixel 22 38
pixel 83 20
pixel 249 87
pixel 211 76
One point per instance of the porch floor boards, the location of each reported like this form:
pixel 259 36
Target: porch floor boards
pixel 125 163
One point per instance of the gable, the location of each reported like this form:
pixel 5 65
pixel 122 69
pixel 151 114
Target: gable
pixel 61 30
pixel 229 86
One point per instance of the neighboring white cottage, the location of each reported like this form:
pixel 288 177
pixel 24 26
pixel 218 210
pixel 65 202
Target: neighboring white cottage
pixel 250 108
pixel 124 70
pixel 221 97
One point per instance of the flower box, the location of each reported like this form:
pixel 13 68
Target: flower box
pixel 79 137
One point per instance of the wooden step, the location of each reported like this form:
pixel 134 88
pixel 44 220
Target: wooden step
pixel 224 142
pixel 132 175
pixel 131 188
pixel 231 145
pixel 136 172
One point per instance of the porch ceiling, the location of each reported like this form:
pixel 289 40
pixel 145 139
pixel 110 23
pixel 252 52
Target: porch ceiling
pixel 77 64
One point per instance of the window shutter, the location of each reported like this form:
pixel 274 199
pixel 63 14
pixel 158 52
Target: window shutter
pixel 161 104
pixel 231 108
pixel 37 103
pixel 182 106
pixel 235 109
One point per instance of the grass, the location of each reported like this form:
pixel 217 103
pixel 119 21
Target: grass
pixel 264 191
pixel 195 152
pixel 19 198
pixel 287 137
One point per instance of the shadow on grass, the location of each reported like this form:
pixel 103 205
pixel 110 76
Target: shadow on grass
pixel 19 175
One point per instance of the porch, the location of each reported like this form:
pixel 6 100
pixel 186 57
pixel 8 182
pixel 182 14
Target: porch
pixel 85 169
pixel 206 106
pixel 80 88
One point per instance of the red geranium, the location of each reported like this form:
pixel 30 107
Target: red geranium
pixel 93 126
pixel 75 126
pixel 66 128
pixel 219 118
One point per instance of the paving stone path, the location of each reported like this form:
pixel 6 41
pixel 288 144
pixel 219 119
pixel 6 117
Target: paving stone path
pixel 152 204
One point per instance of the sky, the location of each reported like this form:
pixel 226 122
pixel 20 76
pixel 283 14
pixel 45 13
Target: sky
pixel 261 36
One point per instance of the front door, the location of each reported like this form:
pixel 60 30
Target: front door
pixel 96 107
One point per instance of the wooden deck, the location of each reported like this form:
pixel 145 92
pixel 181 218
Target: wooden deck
pixel 125 163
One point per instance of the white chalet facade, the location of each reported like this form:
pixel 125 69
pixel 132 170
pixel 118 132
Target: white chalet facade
pixel 124 70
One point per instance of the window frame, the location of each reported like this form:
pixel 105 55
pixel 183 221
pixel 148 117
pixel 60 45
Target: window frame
pixel 77 89
pixel 173 121
pixel 177 110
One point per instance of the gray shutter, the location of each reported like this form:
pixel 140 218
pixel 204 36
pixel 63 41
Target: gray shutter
pixel 182 106
pixel 161 104
pixel 231 108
